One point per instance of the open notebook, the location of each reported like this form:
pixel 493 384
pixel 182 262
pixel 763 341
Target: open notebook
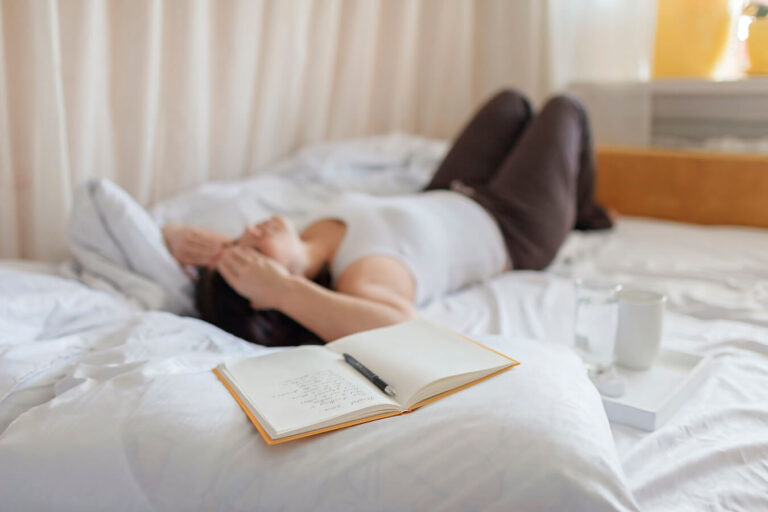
pixel 311 389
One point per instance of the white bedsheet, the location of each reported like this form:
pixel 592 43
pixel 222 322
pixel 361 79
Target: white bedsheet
pixel 713 454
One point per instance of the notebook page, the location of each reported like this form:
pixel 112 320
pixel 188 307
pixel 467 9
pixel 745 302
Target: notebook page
pixel 301 387
pixel 411 355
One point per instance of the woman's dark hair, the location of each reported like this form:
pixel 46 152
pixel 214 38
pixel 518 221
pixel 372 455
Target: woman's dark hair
pixel 219 304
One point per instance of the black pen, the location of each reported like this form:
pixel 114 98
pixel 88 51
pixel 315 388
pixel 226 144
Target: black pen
pixel 368 374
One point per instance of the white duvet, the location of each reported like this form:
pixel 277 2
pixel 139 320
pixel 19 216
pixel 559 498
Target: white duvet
pixel 126 415
pixel 105 405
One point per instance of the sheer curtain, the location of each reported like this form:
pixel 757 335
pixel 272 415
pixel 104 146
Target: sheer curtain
pixel 163 95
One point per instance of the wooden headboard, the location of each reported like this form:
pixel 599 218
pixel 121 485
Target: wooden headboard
pixel 687 186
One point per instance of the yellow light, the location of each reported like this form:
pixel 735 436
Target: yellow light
pixel 691 37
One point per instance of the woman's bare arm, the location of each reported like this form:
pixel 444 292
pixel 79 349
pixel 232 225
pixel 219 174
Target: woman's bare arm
pixel 193 246
pixel 373 292
pixel 331 314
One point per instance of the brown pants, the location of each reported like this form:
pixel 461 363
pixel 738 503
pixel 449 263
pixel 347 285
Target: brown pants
pixel 534 174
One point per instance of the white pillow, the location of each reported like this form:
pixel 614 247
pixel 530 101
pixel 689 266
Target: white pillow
pixel 387 164
pixel 154 430
pixel 109 233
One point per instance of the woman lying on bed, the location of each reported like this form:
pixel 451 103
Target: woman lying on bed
pixel 505 196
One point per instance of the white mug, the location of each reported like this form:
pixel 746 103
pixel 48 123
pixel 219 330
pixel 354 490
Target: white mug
pixel 638 336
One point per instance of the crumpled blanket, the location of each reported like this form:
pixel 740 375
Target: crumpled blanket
pixel 117 246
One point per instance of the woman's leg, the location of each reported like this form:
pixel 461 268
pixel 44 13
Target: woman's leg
pixel 485 142
pixel 589 213
pixel 536 192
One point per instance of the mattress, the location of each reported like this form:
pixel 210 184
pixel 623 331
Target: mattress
pixel 712 454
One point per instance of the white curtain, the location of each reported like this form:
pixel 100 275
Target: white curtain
pixel 163 95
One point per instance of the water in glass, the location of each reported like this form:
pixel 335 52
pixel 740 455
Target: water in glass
pixel 596 319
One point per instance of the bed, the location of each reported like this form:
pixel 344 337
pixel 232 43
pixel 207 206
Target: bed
pixel 105 404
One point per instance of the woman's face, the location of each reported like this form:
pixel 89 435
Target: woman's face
pixel 275 238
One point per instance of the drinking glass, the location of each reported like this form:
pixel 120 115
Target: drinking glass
pixel 596 321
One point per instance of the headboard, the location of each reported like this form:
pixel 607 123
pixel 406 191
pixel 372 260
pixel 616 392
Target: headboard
pixel 687 186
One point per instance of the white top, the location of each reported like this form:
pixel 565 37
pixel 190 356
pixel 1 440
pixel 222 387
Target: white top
pixel 445 239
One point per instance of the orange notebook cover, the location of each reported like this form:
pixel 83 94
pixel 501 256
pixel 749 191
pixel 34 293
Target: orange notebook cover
pixel 270 441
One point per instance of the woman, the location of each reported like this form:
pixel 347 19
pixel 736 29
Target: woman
pixel 505 196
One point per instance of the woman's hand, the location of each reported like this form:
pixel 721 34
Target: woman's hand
pixel 260 279
pixel 193 246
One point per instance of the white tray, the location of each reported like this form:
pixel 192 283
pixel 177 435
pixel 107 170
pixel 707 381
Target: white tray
pixel 652 396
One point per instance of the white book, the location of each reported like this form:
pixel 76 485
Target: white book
pixel 312 389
